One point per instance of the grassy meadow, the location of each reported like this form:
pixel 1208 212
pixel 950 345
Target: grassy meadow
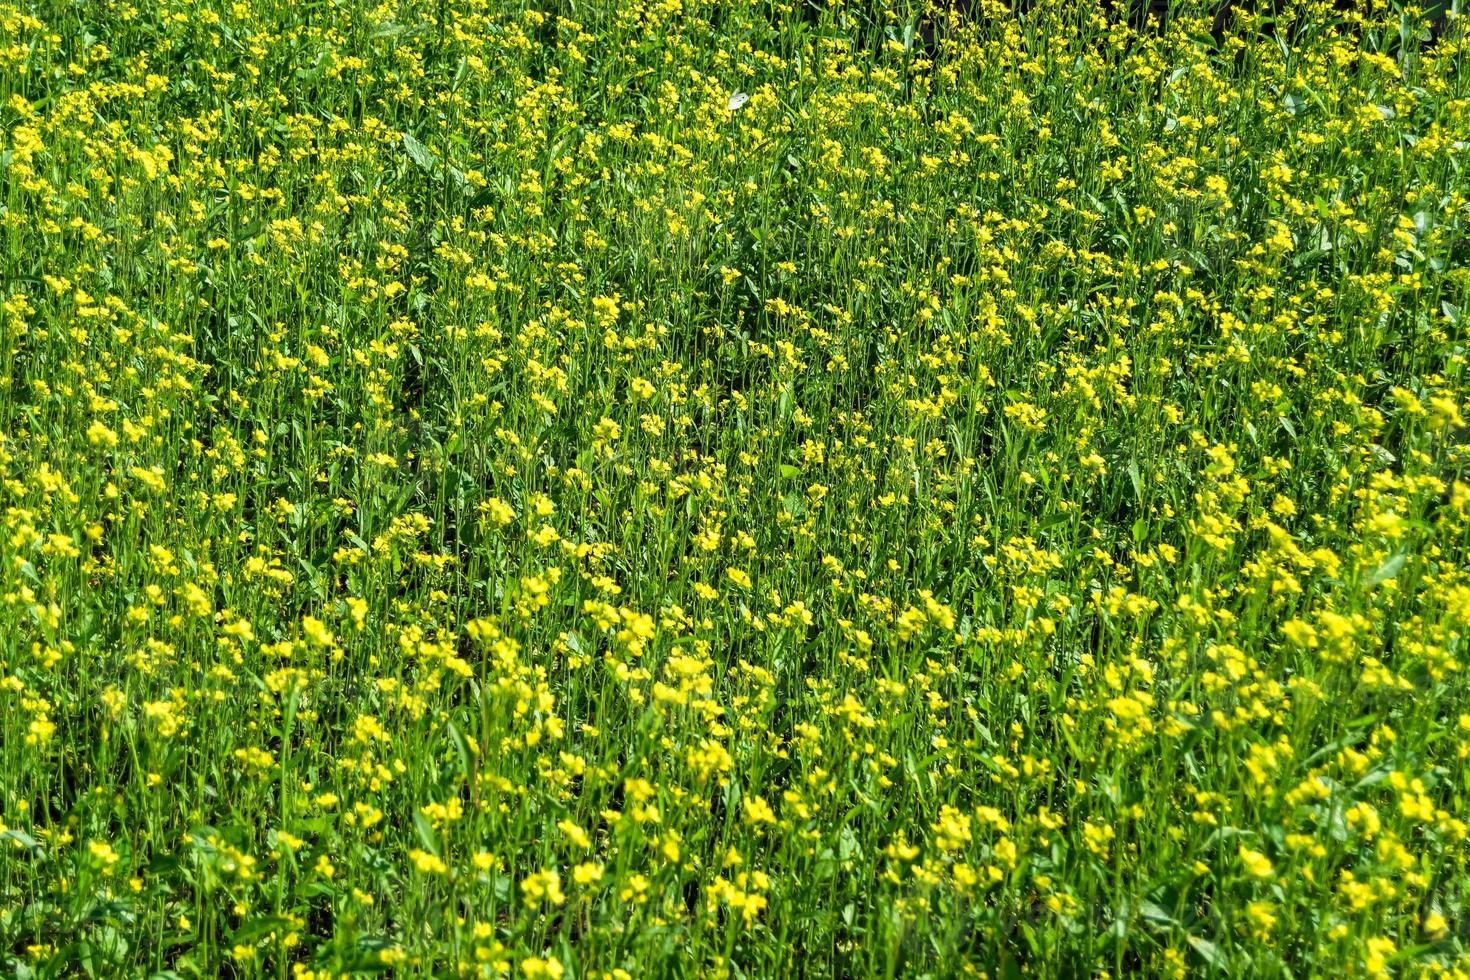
pixel 732 489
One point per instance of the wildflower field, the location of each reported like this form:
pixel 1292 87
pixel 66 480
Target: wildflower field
pixel 733 488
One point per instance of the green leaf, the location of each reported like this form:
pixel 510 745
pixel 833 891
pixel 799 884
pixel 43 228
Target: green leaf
pixel 462 746
pixel 254 928
pixel 426 832
pixel 1389 569
pixel 420 154
pixel 1155 914
pixel 26 841
pixel 1209 953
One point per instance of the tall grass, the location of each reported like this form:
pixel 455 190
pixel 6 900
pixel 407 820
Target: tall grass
pixel 722 488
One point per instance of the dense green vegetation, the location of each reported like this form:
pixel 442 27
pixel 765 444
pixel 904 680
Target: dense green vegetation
pixel 729 488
